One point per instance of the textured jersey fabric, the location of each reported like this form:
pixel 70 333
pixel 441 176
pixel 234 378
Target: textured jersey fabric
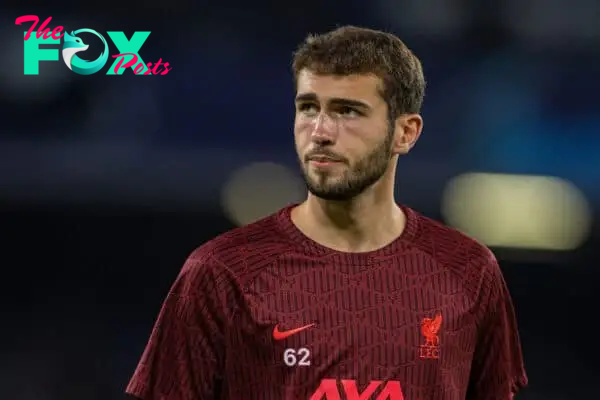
pixel 264 313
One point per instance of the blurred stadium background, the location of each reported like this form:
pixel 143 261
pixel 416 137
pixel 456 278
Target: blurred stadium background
pixel 107 183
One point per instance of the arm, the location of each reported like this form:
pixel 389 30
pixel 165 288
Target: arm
pixel 183 359
pixel 497 372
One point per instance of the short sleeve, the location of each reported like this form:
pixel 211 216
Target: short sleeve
pixel 183 359
pixel 498 371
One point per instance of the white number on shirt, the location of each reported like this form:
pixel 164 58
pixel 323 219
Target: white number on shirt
pixel 293 357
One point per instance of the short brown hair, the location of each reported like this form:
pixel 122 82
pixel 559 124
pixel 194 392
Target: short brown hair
pixel 353 50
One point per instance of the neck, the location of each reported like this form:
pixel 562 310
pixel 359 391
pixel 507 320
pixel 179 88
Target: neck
pixel 365 223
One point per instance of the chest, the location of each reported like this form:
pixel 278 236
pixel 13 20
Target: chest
pixel 383 317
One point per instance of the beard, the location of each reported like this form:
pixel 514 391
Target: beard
pixel 355 179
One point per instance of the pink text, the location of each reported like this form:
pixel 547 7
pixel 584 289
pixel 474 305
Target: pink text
pixel 42 30
pixel 155 71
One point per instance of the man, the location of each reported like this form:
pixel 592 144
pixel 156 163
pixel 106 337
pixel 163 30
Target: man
pixel 347 295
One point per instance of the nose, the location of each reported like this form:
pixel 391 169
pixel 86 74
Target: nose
pixel 325 130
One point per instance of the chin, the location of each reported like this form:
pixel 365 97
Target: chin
pixel 331 193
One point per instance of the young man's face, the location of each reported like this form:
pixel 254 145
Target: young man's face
pixel 343 135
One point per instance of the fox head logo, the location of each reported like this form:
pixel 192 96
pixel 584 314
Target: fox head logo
pixel 73 44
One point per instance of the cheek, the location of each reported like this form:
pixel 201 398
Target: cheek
pixel 301 121
pixel 353 135
pixel 354 129
pixel 302 129
pixel 358 140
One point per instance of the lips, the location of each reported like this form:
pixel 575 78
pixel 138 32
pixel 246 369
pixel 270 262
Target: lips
pixel 323 159
pixel 323 162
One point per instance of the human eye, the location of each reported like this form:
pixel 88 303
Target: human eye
pixel 347 111
pixel 307 108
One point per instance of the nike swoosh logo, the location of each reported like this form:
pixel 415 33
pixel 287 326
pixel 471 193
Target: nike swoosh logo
pixel 280 335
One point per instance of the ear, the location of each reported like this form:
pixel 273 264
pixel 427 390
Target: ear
pixel 408 128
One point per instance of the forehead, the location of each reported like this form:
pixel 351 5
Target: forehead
pixel 357 87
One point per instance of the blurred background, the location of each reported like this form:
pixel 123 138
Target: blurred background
pixel 107 183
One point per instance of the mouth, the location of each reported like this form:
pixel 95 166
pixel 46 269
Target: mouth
pixel 323 161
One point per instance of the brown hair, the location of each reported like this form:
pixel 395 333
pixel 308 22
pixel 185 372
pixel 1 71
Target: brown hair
pixel 354 50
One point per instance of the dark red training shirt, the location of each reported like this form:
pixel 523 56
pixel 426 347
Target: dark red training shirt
pixel 264 313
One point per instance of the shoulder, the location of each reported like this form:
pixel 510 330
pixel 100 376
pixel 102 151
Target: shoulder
pixel 242 251
pixel 460 256
pixel 447 244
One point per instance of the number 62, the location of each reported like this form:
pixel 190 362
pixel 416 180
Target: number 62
pixel 293 357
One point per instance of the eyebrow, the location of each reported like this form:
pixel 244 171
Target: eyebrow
pixel 340 101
